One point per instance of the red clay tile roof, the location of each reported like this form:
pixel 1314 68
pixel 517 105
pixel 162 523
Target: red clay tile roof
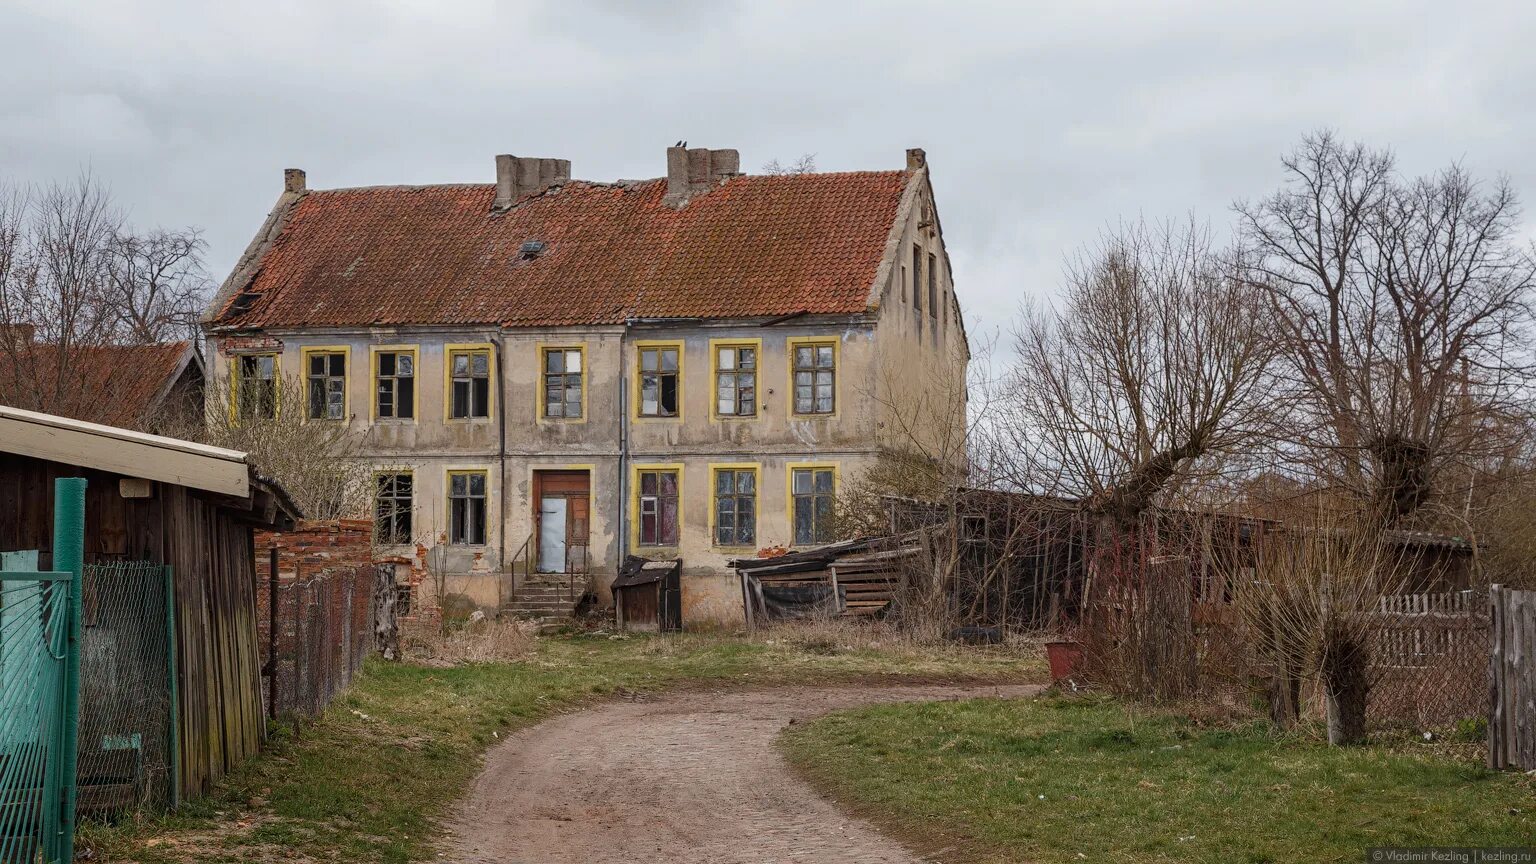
pixel 116 385
pixel 755 246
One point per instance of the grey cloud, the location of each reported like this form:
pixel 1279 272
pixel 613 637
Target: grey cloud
pixel 1043 122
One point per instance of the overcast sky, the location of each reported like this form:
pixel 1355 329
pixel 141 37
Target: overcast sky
pixel 1043 122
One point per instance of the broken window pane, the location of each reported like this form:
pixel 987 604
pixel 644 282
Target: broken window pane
pixel 562 383
pixel 327 386
pixel 735 381
pixel 815 377
pixel 392 509
pixel 466 510
pixel 471 391
pixel 658 508
pixel 660 383
pixel 812 491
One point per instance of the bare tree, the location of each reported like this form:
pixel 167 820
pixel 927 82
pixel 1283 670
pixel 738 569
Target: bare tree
pixel 76 280
pixel 1151 373
pixel 319 463
pixel 157 285
pixel 806 164
pixel 1403 308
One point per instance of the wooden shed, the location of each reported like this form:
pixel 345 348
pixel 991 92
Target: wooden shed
pixel 647 595
pixel 162 501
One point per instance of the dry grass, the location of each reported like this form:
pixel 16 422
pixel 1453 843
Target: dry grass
pixel 847 634
pixel 487 640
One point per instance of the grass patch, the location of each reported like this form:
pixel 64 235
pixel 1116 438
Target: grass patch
pixel 1063 780
pixel 370 780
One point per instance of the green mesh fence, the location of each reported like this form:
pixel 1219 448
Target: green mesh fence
pixel 33 655
pixel 125 744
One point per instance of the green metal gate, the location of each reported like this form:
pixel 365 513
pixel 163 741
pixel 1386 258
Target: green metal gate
pixel 39 690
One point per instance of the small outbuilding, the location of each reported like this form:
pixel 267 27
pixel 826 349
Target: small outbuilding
pixel 168 537
pixel 647 595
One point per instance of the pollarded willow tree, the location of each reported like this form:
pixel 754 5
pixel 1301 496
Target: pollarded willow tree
pixel 1403 309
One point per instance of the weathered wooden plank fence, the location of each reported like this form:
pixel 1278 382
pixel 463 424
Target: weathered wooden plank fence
pixel 1512 688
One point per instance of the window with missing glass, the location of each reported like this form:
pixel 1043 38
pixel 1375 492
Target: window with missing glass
pixel 392 507
pixel 812 495
pixel 933 286
pixel 736 380
pixel 327 373
pixel 815 378
pixel 395 387
pixel 256 387
pixel 562 383
pixel 466 508
pixel 735 506
pixel 469 374
pixel 660 380
pixel 917 278
pixel 658 508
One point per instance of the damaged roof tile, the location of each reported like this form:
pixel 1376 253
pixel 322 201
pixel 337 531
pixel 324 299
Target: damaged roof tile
pixel 754 246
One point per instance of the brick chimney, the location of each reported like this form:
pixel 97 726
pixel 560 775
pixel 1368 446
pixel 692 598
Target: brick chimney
pixel 916 158
pixel 293 180
pixel 517 176
pixel 694 171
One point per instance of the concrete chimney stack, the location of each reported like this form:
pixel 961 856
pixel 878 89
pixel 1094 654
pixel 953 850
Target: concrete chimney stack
pixel 517 176
pixel 692 172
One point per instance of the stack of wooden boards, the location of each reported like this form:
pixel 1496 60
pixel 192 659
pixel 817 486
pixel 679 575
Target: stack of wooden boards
pixel 864 573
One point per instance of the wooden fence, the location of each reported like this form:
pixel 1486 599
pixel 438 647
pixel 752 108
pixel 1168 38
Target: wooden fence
pixel 1512 690
pixel 1447 603
pixel 1414 631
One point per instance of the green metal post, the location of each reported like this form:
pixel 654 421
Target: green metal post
pixel 174 729
pixel 69 556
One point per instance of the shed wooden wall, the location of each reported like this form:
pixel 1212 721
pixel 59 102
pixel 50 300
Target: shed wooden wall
pixel 211 550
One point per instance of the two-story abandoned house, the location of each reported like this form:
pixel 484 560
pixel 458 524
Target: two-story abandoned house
pixel 552 374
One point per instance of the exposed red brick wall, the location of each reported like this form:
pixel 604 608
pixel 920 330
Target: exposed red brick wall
pixel 313 547
pixel 317 545
pixel 232 345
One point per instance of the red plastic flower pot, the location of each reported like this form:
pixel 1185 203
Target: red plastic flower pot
pixel 1065 659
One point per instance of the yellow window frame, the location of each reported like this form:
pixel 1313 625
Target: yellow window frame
pixel 640 345
pixel 837 373
pixel 789 487
pixel 234 383
pixel 757 496
pixel 714 380
pixel 453 348
pixel 542 351
pixel 634 501
pixel 345 351
pixel 448 475
pixel 373 394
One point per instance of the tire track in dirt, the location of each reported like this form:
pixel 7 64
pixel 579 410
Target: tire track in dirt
pixel 692 778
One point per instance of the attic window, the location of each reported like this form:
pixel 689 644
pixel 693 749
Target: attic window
pixel 531 250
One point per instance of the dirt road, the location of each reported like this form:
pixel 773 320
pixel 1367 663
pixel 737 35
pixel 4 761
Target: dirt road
pixel 691 778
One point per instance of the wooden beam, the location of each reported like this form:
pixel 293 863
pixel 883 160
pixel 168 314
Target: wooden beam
pixel 124 452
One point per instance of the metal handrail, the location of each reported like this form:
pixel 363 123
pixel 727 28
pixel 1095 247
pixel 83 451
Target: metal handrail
pixel 573 572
